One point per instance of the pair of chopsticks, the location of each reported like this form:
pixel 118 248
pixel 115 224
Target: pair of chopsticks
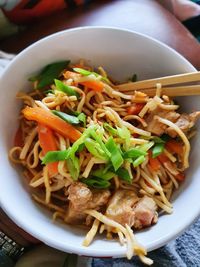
pixel 168 83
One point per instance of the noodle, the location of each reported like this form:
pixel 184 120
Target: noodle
pixel 87 149
pixel 182 136
pixel 91 234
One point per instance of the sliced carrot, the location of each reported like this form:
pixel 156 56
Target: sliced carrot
pixel 52 121
pixel 135 108
pixel 180 177
pixel 94 85
pixel 18 139
pixel 154 162
pixel 175 147
pixel 162 158
pixel 48 143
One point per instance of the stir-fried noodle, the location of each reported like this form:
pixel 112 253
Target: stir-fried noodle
pixel 99 157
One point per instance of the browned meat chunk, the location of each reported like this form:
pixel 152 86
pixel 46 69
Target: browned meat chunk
pixel 120 207
pixel 82 198
pixel 99 199
pixel 185 122
pixel 154 126
pixel 145 212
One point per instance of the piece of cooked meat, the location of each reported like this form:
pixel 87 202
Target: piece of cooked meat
pixel 120 207
pixel 82 198
pixel 145 212
pixel 185 122
pixel 156 127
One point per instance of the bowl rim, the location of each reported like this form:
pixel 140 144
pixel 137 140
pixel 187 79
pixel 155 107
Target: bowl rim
pixel 81 250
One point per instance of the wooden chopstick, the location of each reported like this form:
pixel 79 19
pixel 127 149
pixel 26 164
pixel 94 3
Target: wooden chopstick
pixel 165 81
pixel 171 91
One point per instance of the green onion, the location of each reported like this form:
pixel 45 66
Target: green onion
pixel 68 118
pixel 134 153
pixel 65 88
pixel 138 161
pixel 116 157
pixel 125 134
pixel 73 167
pixel 87 73
pixel 82 118
pixel 80 148
pixel 97 135
pixel 101 173
pixel 123 174
pixel 146 147
pixel 53 156
pixel 157 149
pixel 96 182
pixel 157 140
pixel 95 149
pixel 81 140
pixel 49 73
pixel 110 129
pixel 84 72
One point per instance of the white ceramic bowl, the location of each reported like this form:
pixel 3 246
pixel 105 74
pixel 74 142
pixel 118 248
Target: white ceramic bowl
pixel 121 53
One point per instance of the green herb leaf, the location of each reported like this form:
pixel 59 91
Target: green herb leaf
pixel 134 153
pixel 123 174
pixel 116 157
pixel 49 73
pixel 138 161
pixel 68 118
pixel 96 182
pixel 65 88
pixel 53 156
pixel 157 149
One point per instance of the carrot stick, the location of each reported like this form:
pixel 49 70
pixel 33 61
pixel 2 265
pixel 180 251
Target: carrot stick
pixel 52 121
pixel 175 147
pixel 154 162
pixel 162 158
pixel 135 108
pixel 94 85
pixel 180 177
pixel 48 143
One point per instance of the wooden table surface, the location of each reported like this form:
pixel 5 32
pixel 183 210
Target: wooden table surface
pixel 144 16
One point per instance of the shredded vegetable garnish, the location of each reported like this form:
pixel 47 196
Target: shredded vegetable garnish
pixel 99 157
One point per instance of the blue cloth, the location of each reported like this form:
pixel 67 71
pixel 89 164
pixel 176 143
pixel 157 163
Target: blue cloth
pixel 181 252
